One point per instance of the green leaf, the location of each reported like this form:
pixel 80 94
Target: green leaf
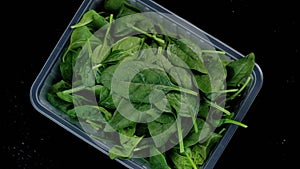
pixel 162 129
pixel 200 152
pixel 57 102
pixel 105 99
pixel 181 77
pixel 126 150
pixel 180 161
pixel 79 37
pixel 127 20
pixel 137 112
pixel 107 76
pixel 121 49
pixel 92 20
pixel 67 65
pixel 158 161
pixel 184 104
pixel 85 72
pixel 147 84
pixel 214 81
pixel 102 51
pixel 113 5
pixel 240 69
pixel 92 113
pixel 127 9
pixel 198 137
pixel 129 43
pixel 186 54
pixel 62 105
pixel 117 123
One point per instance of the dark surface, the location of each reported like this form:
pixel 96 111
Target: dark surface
pixel 271 30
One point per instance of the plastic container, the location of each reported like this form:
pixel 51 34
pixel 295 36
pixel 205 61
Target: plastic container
pixel 50 71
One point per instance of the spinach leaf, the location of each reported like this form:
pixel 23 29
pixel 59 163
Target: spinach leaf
pixel 113 5
pixel 118 122
pixel 67 64
pixel 158 160
pixel 55 100
pixel 186 108
pixel 200 152
pixel 92 113
pixel 240 69
pixel 180 161
pixel 127 9
pixel 130 43
pixel 123 48
pixel 107 75
pixel 184 104
pixel 131 77
pixel 83 68
pixel 214 80
pixel 126 150
pixel 162 125
pixel 181 77
pixel 198 137
pixel 92 20
pixel 80 38
pixel 149 82
pixel 185 53
pixel 62 105
pixel 105 99
pixel 102 51
pixel 137 112
pixel 132 24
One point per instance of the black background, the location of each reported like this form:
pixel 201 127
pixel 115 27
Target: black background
pixel 31 29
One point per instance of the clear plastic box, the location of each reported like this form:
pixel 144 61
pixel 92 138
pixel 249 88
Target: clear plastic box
pixel 50 71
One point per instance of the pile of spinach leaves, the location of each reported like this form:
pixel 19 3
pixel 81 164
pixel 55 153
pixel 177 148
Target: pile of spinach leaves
pixel 124 84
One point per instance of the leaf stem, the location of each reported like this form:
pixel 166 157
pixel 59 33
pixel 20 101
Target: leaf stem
pixel 214 51
pixel 147 34
pixel 188 91
pixel 180 138
pixel 97 66
pixel 222 130
pixel 73 90
pixel 226 91
pixel 231 121
pixel 195 124
pixel 90 51
pixel 241 89
pixel 94 125
pixel 191 161
pixel 218 107
pixel 106 113
pixel 178 88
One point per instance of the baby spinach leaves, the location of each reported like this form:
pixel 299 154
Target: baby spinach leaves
pixel 145 92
